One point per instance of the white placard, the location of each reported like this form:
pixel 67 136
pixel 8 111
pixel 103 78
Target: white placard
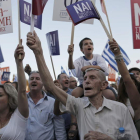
pixel 60 12
pixel 6 25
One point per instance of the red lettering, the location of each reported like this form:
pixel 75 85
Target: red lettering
pixel 8 19
pixel 2 22
pixel 1 11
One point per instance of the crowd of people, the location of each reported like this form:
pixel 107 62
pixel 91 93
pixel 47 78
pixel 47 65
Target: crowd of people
pixel 64 110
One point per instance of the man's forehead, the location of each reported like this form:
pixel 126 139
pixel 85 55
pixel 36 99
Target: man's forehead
pixel 91 72
pixel 35 75
pixel 63 75
pixel 87 40
pixel 133 71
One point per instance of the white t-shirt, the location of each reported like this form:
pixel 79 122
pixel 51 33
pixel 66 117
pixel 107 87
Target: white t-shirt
pixel 16 128
pixel 97 60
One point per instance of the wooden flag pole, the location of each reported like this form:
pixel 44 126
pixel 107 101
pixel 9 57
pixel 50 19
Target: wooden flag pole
pixel 32 20
pixel 101 20
pixel 19 33
pixel 72 34
pixel 32 23
pixel 107 19
pixel 53 67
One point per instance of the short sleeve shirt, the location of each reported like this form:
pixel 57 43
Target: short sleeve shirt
pixel 97 60
pixel 16 128
pixel 107 119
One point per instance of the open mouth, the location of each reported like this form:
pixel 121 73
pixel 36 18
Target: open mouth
pixel 66 82
pixel 89 48
pixel 34 85
pixel 88 88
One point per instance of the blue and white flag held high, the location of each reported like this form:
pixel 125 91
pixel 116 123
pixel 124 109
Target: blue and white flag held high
pixel 70 74
pixel 5 76
pixel 53 42
pixel 62 70
pixel 109 57
pixel 1 56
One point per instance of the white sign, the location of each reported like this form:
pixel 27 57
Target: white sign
pixel 6 25
pixel 60 12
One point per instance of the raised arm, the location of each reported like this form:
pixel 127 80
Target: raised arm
pixel 131 89
pixel 22 97
pixel 34 44
pixel 70 60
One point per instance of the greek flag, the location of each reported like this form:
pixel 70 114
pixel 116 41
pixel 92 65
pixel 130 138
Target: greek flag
pixel 62 70
pixel 70 74
pixel 109 57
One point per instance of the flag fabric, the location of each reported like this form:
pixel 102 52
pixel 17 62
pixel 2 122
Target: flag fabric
pixel 15 79
pixel 25 16
pixel 138 61
pixel 38 6
pixel 5 76
pixel 81 11
pixel 1 56
pixel 109 57
pixel 53 42
pixel 62 70
pixel 70 74
pixel 103 6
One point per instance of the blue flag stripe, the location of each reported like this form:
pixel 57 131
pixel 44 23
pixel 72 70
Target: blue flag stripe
pixel 109 57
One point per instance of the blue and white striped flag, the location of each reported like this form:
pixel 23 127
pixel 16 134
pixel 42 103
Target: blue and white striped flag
pixel 62 70
pixel 70 74
pixel 109 57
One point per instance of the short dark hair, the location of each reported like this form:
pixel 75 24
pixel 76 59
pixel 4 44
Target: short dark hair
pixel 81 42
pixel 58 77
pixel 134 68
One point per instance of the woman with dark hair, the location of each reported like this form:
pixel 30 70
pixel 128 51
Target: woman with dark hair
pixel 122 93
pixel 14 106
pixel 130 86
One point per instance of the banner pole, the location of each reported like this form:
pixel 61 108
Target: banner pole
pixel 53 67
pixel 101 20
pixel 19 33
pixel 32 20
pixel 108 19
pixel 72 34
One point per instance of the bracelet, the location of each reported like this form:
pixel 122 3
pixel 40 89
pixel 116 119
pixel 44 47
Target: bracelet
pixel 118 56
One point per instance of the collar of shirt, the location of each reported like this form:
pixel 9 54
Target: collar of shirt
pixel 85 58
pixel 41 100
pixel 106 104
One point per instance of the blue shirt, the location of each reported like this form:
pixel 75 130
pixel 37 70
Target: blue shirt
pixel 42 123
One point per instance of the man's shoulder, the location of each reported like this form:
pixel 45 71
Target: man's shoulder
pixel 116 104
pixel 79 59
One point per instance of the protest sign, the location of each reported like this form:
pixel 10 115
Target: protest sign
pixel 25 15
pixel 81 11
pixel 135 13
pixel 1 56
pixel 37 9
pixel 5 76
pixel 38 6
pixel 6 25
pixel 112 74
pixel 4 69
pixel 53 42
pixel 60 13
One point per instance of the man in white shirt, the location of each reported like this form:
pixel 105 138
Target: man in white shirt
pixel 98 118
